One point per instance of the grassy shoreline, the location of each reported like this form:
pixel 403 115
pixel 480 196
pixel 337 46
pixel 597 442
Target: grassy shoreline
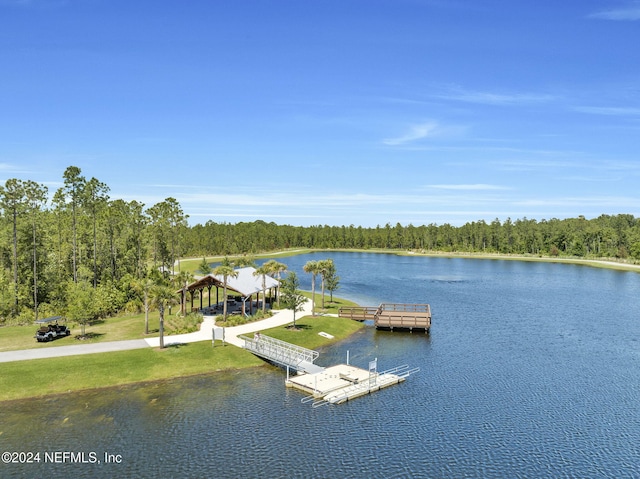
pixel 53 376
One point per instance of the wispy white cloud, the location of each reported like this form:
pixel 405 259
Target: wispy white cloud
pixel 627 13
pixel 299 199
pixel 598 167
pixel 470 187
pixel 444 203
pixel 252 215
pixel 6 167
pixel 10 170
pixel 534 165
pixel 421 131
pixel 607 110
pixel 494 98
pixel 416 132
pixel 583 201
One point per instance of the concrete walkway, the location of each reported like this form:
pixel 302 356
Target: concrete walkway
pixel 25 354
pixel 279 318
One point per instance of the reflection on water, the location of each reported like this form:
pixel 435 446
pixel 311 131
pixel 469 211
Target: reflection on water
pixel 530 370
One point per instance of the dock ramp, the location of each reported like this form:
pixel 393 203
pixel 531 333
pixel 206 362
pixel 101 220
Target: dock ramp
pixel 282 353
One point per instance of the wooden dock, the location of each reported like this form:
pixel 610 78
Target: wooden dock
pixel 392 316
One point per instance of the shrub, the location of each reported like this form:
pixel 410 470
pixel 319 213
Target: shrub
pixel 238 319
pixel 183 324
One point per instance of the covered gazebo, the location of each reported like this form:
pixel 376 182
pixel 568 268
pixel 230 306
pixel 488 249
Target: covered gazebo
pixel 246 284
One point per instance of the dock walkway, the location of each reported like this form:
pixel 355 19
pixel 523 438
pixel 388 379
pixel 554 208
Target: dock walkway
pixel 392 315
pixel 282 353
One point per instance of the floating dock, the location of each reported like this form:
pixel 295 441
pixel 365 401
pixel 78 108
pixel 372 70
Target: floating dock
pixel 332 385
pixel 343 382
pixel 392 316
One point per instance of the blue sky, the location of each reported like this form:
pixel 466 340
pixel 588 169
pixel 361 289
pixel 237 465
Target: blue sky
pixel 336 112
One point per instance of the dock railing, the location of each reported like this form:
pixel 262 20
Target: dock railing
pixel 406 308
pixel 278 351
pixel 359 313
pixel 392 315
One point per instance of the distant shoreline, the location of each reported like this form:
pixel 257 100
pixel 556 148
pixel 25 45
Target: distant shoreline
pixel 595 263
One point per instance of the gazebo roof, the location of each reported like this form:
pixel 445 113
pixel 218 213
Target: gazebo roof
pixel 246 283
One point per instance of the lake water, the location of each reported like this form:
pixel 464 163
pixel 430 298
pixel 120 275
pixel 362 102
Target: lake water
pixel 531 370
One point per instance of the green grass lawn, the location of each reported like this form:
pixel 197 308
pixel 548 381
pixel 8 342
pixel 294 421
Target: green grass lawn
pixel 117 328
pixel 330 307
pixel 308 328
pixel 22 379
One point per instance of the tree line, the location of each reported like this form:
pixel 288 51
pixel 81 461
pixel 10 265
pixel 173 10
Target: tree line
pixel 607 236
pixel 80 253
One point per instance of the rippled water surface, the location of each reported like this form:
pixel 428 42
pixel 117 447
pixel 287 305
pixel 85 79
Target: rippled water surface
pixel 530 370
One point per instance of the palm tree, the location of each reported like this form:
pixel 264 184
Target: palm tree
pixel 263 271
pixel 225 269
pixel 163 295
pixel 145 286
pixel 325 267
pixel 276 268
pixel 242 261
pixel 313 268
